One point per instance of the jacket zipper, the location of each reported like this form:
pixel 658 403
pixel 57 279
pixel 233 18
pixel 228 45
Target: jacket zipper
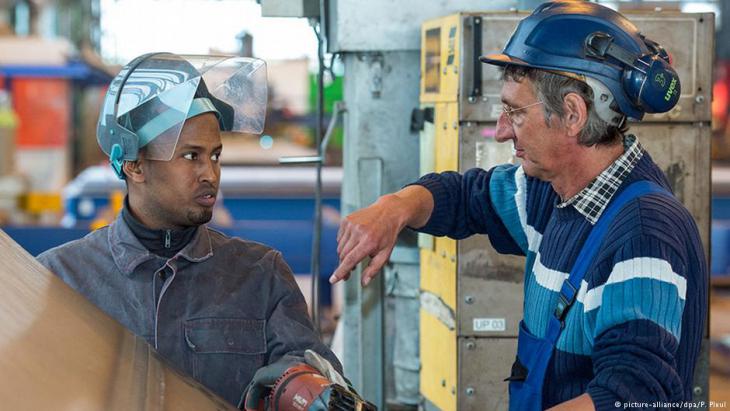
pixel 167 239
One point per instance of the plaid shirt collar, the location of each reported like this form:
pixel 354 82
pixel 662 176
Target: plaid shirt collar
pixel 593 199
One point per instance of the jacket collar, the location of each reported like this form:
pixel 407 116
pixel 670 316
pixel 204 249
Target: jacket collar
pixel 128 253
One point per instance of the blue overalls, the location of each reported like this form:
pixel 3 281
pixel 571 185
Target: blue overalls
pixel 533 353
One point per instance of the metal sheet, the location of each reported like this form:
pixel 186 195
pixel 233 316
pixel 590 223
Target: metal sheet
pixel 402 283
pixel 58 351
pixel 484 363
pixel 489 284
pixel 380 156
pixel 688 37
pixel 490 288
pixel 384 94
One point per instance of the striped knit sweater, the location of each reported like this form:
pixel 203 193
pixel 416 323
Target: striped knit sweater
pixel 634 333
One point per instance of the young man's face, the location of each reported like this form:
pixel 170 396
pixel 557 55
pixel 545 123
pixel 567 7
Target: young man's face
pixel 540 148
pixel 181 192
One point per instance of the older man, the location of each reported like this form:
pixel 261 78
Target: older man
pixel 615 276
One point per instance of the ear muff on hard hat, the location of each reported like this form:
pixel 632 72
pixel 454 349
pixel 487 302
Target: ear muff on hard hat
pixel 649 80
pixel 595 42
pixel 149 101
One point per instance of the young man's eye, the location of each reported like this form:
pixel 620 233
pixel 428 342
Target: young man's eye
pixel 215 157
pixel 190 156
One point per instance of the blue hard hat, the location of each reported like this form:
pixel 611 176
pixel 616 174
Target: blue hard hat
pixel 590 40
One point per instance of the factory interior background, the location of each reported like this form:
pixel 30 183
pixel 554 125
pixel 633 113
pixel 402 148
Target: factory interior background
pixel 57 58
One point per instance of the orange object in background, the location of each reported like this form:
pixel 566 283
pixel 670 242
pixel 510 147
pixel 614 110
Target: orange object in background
pixel 43 107
pixel 721 111
pixel 721 93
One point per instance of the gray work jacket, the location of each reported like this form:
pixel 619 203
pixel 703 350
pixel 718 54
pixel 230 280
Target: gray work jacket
pixel 218 310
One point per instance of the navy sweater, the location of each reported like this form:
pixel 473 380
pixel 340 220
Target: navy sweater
pixel 634 333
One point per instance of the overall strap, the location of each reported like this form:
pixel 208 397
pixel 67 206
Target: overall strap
pixel 571 285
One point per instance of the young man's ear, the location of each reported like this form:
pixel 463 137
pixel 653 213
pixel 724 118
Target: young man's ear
pixel 576 113
pixel 133 171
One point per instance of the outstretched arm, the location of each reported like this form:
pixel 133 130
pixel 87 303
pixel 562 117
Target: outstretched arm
pixel 446 203
pixel 373 231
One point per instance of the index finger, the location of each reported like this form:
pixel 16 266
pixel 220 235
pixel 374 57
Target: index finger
pixel 338 276
pixel 349 262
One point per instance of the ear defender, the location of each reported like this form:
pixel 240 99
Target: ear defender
pixel 648 80
pixel 653 84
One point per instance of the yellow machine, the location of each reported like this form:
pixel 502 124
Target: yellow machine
pixel 471 297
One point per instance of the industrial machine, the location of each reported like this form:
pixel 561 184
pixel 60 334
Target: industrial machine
pixel 471 297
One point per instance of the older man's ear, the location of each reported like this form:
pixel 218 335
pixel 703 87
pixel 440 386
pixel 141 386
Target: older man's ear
pixel 576 114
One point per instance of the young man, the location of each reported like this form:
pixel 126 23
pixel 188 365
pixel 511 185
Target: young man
pixel 624 323
pixel 218 308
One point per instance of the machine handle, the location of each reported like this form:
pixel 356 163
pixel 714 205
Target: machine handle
pixel 339 108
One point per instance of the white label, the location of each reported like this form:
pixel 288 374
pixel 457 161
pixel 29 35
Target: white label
pixel 490 324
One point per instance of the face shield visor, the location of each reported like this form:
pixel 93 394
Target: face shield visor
pixel 149 101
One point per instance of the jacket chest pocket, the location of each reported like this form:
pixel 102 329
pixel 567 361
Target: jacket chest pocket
pixel 226 335
pixel 225 352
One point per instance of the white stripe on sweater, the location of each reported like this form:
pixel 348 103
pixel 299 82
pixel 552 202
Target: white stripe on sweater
pixel 590 299
pixel 546 277
pixel 640 267
pixel 533 236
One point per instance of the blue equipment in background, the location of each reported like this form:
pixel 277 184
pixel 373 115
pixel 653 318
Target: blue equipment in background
pixel 270 205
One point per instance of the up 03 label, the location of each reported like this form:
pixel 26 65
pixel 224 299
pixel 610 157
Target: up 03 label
pixel 489 324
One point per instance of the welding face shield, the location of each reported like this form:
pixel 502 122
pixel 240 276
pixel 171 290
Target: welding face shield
pixel 149 101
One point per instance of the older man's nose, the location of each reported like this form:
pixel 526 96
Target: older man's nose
pixel 505 131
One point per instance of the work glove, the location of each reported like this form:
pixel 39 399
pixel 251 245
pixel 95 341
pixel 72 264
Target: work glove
pixel 254 397
pixel 325 368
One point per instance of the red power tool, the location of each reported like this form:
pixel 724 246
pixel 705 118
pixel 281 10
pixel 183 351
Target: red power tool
pixel 303 388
